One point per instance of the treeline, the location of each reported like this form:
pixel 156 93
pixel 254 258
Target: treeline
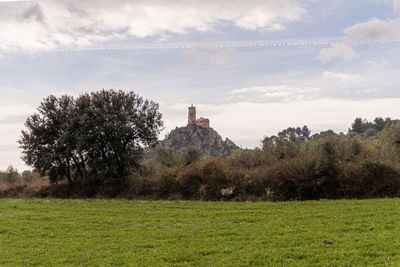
pixel 26 183
pixel 293 165
pixel 104 144
pixel 11 175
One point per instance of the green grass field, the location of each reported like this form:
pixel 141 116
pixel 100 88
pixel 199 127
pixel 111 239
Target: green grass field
pixel 162 233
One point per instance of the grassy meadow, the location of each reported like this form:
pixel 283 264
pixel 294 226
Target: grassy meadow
pixel 167 233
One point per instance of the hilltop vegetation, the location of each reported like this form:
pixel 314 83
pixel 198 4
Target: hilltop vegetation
pixel 293 165
pixel 94 146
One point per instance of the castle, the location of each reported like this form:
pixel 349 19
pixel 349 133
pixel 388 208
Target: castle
pixel 192 118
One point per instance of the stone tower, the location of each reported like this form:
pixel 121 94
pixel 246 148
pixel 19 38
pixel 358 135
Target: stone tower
pixel 203 122
pixel 192 115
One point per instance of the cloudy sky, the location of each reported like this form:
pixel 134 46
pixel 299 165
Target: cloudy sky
pixel 253 67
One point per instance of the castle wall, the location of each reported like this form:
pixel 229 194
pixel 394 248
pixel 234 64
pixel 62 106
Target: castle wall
pixel 203 122
pixel 192 118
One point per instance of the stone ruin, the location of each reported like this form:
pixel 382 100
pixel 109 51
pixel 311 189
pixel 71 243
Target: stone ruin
pixel 198 133
pixel 192 118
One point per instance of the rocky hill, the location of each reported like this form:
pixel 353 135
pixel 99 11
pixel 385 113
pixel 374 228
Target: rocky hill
pixel 207 139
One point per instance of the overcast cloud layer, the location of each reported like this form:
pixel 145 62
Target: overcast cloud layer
pixel 253 67
pixel 49 24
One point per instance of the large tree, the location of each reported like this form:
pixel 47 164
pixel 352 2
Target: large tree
pixel 95 138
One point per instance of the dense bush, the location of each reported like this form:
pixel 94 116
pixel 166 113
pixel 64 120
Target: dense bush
pixel 204 180
pixel 292 168
pixel 168 183
pixel 365 163
pixel 12 178
pixel 369 179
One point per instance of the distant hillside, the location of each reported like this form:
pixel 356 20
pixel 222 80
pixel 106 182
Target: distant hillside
pixel 207 139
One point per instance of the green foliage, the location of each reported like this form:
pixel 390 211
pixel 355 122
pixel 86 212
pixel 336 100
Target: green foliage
pixel 192 154
pixel 323 134
pixel 51 232
pixel 204 180
pixel 330 166
pixel 294 165
pixel 25 184
pixel 249 158
pixel 283 147
pixel 168 157
pixel 283 179
pixel 95 139
pixel 291 133
pixel 28 175
pixel 168 184
pixel 361 126
pixel 327 170
pixel 356 147
pixel 369 179
pixel 11 175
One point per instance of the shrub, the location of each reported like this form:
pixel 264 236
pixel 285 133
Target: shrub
pixel 204 180
pixel 300 179
pixel 28 175
pixel 370 179
pixel 247 158
pixel 326 171
pixel 253 182
pixel 167 184
pixel 140 186
pixel 281 179
pixel 168 157
pixel 11 175
pixel 192 154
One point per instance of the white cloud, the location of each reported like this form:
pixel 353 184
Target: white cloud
pixel 396 5
pixel 47 24
pixel 10 133
pixel 374 30
pixel 282 93
pixel 338 50
pixel 14 109
pixel 343 77
pixel 215 55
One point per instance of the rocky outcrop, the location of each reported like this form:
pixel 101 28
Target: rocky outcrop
pixel 207 139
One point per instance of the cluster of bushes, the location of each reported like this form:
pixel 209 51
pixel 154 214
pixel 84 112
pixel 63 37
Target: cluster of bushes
pixel 12 178
pixel 289 166
pixel 93 145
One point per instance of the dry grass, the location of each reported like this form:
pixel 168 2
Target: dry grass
pixel 35 183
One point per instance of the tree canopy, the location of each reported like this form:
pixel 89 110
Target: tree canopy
pixel 95 138
pixel 361 126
